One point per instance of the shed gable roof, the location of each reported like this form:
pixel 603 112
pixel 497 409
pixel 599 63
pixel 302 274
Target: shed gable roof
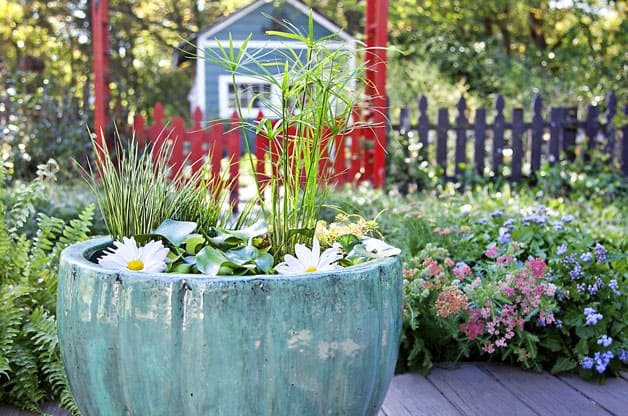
pixel 223 25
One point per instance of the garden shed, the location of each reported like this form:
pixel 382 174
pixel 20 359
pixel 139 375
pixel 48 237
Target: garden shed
pixel 212 87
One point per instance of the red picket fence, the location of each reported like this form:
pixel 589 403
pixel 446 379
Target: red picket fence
pixel 349 157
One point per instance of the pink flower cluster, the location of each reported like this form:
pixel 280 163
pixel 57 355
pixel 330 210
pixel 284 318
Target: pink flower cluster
pixel 450 301
pixel 524 289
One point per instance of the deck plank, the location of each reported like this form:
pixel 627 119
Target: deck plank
pixel 475 392
pixel 414 395
pixel 545 394
pixel 612 395
pixel 50 408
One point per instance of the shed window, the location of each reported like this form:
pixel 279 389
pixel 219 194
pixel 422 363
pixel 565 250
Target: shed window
pixel 254 95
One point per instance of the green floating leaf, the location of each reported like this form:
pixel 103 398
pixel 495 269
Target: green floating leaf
pixel 175 231
pixel 265 262
pixel 209 260
pixel 243 255
pixel 182 268
pixel 194 242
pixel 236 238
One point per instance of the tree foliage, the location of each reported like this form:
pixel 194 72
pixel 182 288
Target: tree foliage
pixel 571 52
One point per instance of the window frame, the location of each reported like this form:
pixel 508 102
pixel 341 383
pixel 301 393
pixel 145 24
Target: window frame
pixel 225 110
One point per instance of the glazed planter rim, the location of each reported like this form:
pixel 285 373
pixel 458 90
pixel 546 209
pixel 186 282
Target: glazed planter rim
pixel 78 254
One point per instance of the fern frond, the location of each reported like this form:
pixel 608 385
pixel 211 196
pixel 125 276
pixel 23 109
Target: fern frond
pixel 23 206
pixel 77 230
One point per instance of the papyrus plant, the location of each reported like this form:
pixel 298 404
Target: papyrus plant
pixel 316 88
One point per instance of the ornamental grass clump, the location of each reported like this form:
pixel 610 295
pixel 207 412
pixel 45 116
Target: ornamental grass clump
pixel 150 209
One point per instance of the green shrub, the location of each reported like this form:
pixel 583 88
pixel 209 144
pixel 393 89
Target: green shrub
pixel 30 365
pixel 37 126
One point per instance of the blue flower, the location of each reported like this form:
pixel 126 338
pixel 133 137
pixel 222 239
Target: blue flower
pixel 483 221
pixel 558 225
pixel 570 259
pixel 567 218
pixel 586 363
pixel 558 323
pixel 509 223
pixel 586 257
pixel 602 360
pixel 504 235
pixel 541 322
pixel 562 249
pixel 581 287
pixel 497 213
pixel 576 272
pixel 623 355
pixel 614 287
pixel 605 341
pixel 600 253
pixel 592 317
pixel 592 289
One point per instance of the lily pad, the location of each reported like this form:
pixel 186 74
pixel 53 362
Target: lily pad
pixel 209 260
pixel 175 231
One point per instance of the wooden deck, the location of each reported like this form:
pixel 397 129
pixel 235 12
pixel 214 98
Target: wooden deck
pixel 491 389
pixel 483 389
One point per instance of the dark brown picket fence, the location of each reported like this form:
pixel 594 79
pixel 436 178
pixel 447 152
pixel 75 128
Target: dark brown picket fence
pixel 513 148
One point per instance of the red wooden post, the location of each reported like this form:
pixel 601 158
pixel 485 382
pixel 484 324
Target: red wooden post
pixel 100 49
pixel 376 40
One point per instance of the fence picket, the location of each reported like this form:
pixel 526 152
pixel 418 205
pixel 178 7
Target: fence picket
pixel 556 117
pixel 498 135
pixel 591 129
pixel 536 134
pixel 423 128
pixel 480 139
pixel 441 139
pixel 178 138
pixel 611 105
pixel 569 131
pixel 517 144
pixel 461 138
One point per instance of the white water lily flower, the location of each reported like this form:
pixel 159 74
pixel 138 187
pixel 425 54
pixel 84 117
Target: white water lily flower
pixel 127 255
pixel 308 261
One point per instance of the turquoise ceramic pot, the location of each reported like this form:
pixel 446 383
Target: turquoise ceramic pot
pixel 163 344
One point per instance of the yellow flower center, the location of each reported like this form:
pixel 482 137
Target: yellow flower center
pixel 310 269
pixel 135 265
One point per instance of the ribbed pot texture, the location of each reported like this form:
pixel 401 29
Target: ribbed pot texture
pixel 169 344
